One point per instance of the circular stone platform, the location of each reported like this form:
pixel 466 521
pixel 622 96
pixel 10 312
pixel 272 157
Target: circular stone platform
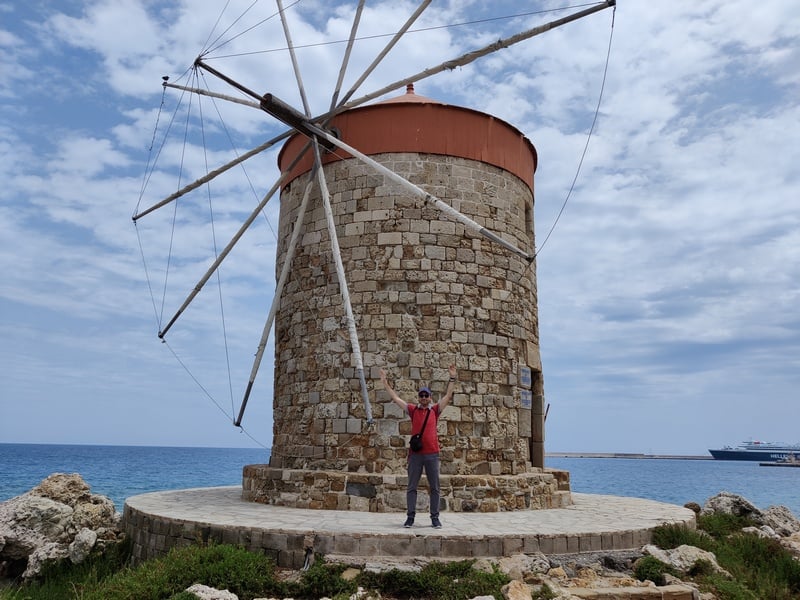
pixel 159 521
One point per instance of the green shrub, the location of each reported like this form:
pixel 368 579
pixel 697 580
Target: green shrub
pixel 652 569
pixel 467 582
pixel 761 563
pixel 323 580
pixel 720 525
pixel 674 535
pixel 445 581
pixel 760 567
pixel 701 568
pixel 730 589
pixel 406 584
pixel 246 574
pixel 64 580
pixel 545 592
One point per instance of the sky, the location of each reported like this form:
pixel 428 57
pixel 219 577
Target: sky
pixel 668 287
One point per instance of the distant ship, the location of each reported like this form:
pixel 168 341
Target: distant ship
pixel 756 450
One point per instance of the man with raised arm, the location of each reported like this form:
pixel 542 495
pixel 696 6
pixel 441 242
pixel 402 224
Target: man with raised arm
pixel 424 418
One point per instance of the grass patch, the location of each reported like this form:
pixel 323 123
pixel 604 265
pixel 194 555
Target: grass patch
pixel 106 578
pixel 761 564
pixel 545 592
pixel 246 574
pixel 68 581
pixel 720 525
pixel 323 580
pixel 445 581
pixel 759 567
pixel 649 568
pixel 674 535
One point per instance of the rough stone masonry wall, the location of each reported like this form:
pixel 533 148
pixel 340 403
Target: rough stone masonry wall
pixel 425 294
pixel 336 490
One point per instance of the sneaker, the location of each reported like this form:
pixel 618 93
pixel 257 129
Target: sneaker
pixel 409 522
pixel 436 523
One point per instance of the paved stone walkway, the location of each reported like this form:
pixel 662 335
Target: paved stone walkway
pixel 159 520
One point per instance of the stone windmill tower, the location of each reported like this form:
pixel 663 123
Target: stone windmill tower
pixel 425 292
pixel 407 227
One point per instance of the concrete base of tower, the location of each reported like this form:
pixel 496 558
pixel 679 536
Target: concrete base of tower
pixel 370 492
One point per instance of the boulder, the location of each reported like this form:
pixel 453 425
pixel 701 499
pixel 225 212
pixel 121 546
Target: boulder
pixel 792 544
pixel 732 504
pixel 684 557
pixel 520 565
pixel 776 519
pixel 82 545
pixel 208 593
pixel 47 552
pixel 693 506
pixel 65 489
pixel 516 590
pixel 781 520
pixel 765 531
pixel 59 518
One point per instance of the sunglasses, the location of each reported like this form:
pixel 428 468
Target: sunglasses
pixel 424 394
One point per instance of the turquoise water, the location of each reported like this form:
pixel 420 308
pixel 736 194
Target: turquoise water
pixel 682 481
pixel 122 471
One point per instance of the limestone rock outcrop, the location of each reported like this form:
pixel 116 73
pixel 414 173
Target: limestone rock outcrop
pixel 781 520
pixel 205 592
pixel 778 518
pixel 732 504
pixel 684 557
pixel 776 522
pixel 58 519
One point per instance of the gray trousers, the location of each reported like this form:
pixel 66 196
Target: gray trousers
pixel 417 462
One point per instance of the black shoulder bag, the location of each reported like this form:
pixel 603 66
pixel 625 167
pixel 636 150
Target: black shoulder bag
pixel 415 443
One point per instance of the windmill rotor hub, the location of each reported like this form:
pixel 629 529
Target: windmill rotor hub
pixel 295 119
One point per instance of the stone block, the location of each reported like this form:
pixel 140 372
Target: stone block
pixel 393 321
pixel 370 546
pixel 354 229
pixel 591 543
pixel 276 541
pixel 345 544
pixel 512 545
pixel 402 546
pixel 530 544
pixel 573 544
pixel 323 544
pixel 454 548
pixel 547 544
pixel 359 504
pixel 420 226
pixel 441 226
pixel 392 238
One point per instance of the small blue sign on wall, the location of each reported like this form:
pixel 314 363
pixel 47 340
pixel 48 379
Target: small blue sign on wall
pixel 525 377
pixel 525 399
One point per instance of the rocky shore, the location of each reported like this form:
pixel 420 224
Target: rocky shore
pixel 60 519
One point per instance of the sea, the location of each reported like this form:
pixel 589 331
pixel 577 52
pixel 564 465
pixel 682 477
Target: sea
pixel 123 471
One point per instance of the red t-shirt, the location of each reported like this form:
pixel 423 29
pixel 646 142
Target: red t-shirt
pixel 430 439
